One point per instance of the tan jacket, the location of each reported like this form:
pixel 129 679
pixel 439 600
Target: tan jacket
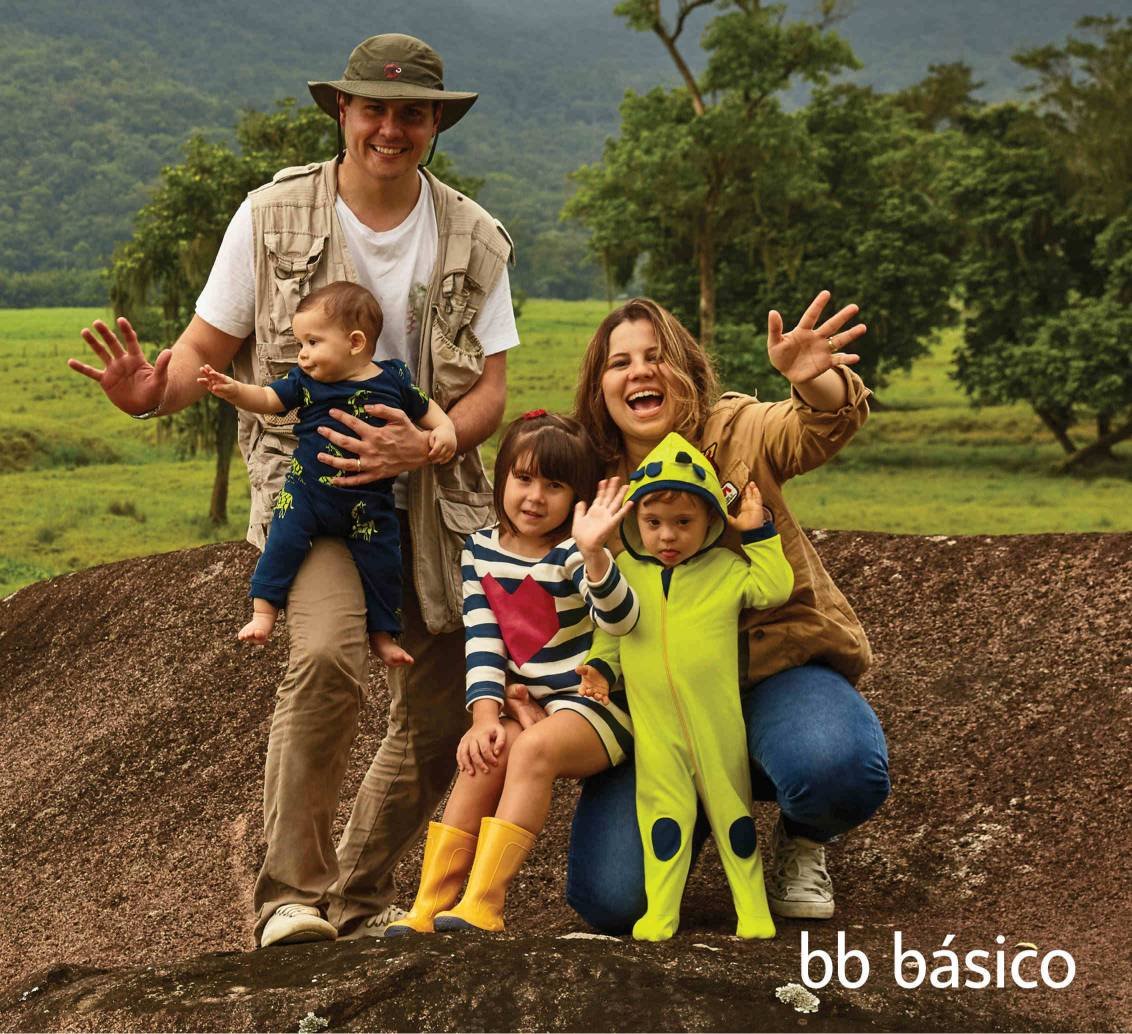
pixel 771 442
pixel 298 247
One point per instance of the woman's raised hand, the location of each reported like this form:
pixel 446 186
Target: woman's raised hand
pixel 594 524
pixel 808 351
pixel 129 380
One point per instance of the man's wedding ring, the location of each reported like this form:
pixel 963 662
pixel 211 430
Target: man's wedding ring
pixel 358 468
pixel 832 346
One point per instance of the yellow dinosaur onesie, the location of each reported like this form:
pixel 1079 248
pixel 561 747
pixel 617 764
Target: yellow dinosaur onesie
pixel 681 665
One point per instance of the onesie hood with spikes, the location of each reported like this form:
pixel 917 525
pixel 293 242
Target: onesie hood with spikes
pixel 675 465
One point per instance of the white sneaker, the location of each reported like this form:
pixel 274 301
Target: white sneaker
pixel 374 926
pixel 296 924
pixel 797 883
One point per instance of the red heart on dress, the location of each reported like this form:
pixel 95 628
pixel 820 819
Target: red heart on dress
pixel 527 617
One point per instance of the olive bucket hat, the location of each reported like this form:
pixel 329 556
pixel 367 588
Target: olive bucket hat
pixel 394 67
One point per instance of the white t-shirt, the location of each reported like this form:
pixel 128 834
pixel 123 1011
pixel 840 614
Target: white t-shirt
pixel 396 265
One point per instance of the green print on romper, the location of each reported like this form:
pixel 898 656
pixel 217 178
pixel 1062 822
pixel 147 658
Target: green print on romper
pixel 296 467
pixel 358 402
pixel 328 479
pixel 283 503
pixel 361 531
pixel 306 396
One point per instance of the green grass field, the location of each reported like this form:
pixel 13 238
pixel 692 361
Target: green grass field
pixel 85 485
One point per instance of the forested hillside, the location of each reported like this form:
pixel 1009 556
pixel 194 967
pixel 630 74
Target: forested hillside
pixel 98 97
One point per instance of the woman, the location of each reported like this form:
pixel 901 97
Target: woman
pixel 815 744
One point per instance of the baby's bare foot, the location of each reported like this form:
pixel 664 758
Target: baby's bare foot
pixel 385 646
pixel 258 630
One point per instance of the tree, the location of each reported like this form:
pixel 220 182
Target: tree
pixel 681 169
pixel 867 218
pixel 1046 285
pixel 1046 266
pixel 157 275
pixel 1085 91
pixel 942 97
pixel 737 205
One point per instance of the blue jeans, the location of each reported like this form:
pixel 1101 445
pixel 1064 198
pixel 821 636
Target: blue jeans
pixel 816 748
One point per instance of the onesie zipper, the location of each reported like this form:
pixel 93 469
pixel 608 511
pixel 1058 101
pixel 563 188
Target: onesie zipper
pixel 671 688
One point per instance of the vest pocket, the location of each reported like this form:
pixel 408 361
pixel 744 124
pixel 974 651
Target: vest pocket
pixel 292 257
pixel 457 354
pixel 462 512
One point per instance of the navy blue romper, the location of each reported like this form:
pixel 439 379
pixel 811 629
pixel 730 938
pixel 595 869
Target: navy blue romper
pixel 310 504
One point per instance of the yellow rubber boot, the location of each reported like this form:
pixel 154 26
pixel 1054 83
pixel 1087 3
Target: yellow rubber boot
pixel 448 856
pixel 502 849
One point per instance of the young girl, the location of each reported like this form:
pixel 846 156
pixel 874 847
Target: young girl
pixel 532 594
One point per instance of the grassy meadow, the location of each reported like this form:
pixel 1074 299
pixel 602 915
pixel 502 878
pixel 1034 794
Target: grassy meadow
pixel 85 485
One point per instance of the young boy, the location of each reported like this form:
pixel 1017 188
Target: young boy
pixel 680 665
pixel 337 328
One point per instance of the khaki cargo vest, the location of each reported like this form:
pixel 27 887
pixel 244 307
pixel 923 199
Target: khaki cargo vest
pixel 298 247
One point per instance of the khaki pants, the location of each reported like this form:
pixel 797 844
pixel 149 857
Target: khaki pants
pixel 315 721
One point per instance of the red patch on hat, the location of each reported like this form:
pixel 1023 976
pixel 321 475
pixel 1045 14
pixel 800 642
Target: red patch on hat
pixel 527 617
pixel 392 70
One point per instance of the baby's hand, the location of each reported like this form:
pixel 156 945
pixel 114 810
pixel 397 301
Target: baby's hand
pixel 441 444
pixel 219 384
pixel 593 683
pixel 751 512
pixel 594 524
pixel 481 746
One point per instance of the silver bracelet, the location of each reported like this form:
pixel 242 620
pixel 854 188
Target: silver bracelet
pixel 149 414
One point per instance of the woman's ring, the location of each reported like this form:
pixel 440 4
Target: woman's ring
pixel 358 461
pixel 832 346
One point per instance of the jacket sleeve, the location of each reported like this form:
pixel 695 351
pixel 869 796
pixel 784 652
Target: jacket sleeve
pixel 485 655
pixel 605 655
pixel 770 578
pixel 612 603
pixel 794 437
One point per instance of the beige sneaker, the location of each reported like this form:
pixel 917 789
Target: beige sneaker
pixel 797 883
pixel 374 926
pixel 296 924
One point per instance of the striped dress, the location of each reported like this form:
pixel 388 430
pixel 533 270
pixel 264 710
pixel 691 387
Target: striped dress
pixel 531 621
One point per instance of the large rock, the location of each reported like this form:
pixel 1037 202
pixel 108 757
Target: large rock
pixel 130 793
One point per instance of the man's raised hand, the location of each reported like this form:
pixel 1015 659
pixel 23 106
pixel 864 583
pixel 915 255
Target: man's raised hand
pixel 128 379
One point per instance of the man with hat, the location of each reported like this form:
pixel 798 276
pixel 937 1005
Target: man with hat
pixel 437 264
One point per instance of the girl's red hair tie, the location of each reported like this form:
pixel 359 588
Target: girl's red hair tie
pixel 532 414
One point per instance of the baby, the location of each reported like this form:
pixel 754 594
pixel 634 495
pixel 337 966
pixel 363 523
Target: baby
pixel 337 327
pixel 681 664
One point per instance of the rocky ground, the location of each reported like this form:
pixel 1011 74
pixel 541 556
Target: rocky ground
pixel 133 744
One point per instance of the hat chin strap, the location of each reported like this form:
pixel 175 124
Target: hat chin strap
pixel 431 151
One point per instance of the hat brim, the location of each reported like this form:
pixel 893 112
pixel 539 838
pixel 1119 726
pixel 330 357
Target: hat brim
pixel 456 105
